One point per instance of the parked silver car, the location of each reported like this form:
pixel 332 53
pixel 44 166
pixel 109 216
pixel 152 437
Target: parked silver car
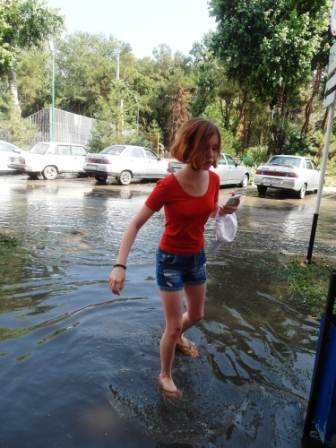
pixel 7 150
pixel 51 159
pixel 229 171
pixel 288 172
pixel 125 162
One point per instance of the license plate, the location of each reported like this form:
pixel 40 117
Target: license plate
pixel 92 167
pixel 268 181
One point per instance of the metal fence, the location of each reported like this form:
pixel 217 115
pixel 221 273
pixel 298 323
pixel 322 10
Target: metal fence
pixel 68 127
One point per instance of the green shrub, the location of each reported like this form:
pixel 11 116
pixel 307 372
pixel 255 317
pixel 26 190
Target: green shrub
pixel 258 155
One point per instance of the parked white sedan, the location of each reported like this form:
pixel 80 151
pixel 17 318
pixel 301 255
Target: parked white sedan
pixel 7 150
pixel 288 172
pixel 125 162
pixel 51 159
pixel 229 171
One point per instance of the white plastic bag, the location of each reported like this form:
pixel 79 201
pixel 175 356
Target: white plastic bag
pixel 226 229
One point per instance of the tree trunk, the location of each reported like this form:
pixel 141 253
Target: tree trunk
pixel 227 114
pixel 282 133
pixel 272 138
pixel 308 108
pixel 244 129
pixel 13 88
pixel 249 133
pixel 325 118
pixel 222 111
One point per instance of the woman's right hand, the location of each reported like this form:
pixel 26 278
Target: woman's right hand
pixel 117 280
pixel 117 277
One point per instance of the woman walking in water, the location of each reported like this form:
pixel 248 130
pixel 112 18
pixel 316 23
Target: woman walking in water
pixel 189 197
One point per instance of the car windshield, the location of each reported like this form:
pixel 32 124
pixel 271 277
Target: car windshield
pixel 283 160
pixel 4 146
pixel 150 154
pixel 114 150
pixel 40 148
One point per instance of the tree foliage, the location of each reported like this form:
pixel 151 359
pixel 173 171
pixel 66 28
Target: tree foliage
pixel 268 45
pixel 270 48
pixel 255 76
pixel 27 23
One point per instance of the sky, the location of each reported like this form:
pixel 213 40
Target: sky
pixel 144 24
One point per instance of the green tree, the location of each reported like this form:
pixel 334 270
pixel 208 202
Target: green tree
pixel 29 22
pixel 270 48
pixel 180 111
pixel 165 73
pixel 86 66
pixel 34 78
pixel 205 73
pixel 6 56
pixel 16 129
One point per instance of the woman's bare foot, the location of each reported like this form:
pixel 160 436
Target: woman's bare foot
pixel 187 347
pixel 168 387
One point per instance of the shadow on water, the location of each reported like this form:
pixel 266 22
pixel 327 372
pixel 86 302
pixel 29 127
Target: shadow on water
pixel 79 365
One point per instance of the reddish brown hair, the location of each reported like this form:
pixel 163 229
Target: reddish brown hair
pixel 191 141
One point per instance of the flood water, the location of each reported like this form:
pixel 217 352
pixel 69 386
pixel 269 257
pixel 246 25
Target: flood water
pixel 78 364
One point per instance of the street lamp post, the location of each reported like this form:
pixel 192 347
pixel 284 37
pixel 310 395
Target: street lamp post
pixel 137 120
pixel 51 46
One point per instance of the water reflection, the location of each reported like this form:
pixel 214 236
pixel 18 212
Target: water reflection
pixel 84 362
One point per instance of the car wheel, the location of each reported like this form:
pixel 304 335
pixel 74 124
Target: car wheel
pixel 261 189
pixel 33 176
pixel 244 182
pixel 125 178
pixel 302 192
pixel 50 172
pixel 100 179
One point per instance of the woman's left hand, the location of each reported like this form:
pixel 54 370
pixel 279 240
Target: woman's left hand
pixel 228 209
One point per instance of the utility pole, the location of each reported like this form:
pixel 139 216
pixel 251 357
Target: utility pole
pixel 329 101
pixel 52 49
pixel 137 119
pixel 121 100
pixel 117 68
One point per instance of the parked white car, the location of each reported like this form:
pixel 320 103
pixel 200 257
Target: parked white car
pixel 229 171
pixel 288 172
pixel 51 159
pixel 7 150
pixel 125 162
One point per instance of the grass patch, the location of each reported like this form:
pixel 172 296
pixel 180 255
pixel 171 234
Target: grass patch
pixel 310 281
pixel 330 175
pixel 7 239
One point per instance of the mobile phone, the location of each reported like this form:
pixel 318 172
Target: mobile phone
pixel 232 200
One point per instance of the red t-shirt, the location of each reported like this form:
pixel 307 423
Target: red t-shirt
pixel 185 215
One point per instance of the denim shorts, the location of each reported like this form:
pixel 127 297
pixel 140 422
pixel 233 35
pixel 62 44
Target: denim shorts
pixel 174 271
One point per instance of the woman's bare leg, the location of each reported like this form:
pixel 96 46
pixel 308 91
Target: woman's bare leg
pixel 195 297
pixel 172 303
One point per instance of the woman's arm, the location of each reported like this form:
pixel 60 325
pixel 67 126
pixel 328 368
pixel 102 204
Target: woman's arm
pixel 117 277
pixel 225 209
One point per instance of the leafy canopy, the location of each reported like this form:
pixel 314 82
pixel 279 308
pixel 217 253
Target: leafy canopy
pixel 266 44
pixel 24 23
